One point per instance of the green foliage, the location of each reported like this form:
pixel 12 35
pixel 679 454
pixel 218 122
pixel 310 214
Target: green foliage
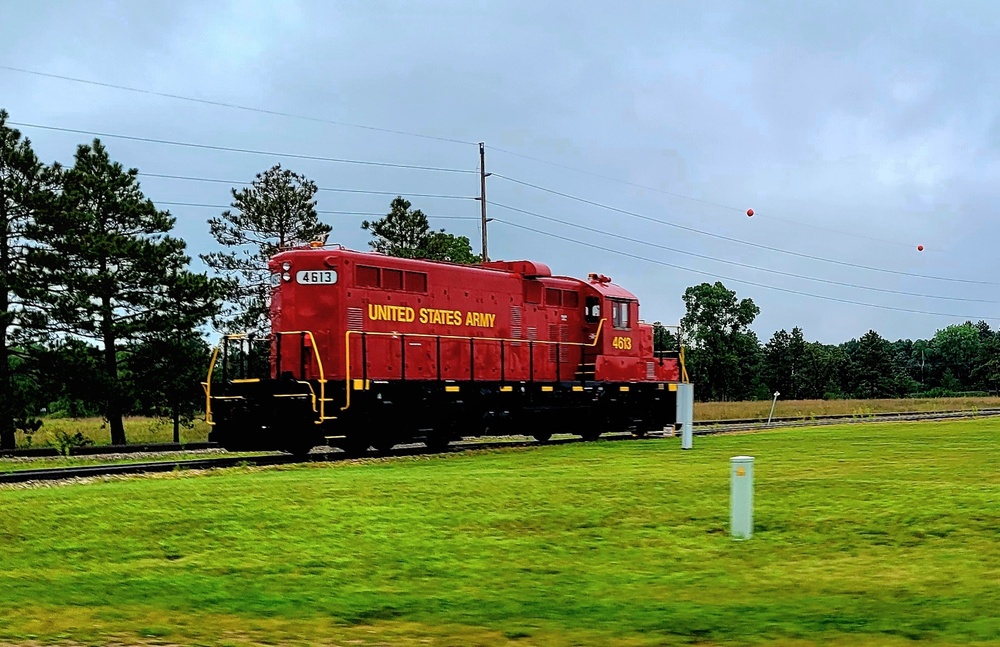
pixel 724 354
pixel 406 233
pixel 112 268
pixel 663 339
pixel 620 543
pixel 24 190
pixel 65 442
pixel 276 212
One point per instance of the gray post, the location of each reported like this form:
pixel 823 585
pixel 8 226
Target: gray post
pixel 741 497
pixel 685 413
pixel 773 402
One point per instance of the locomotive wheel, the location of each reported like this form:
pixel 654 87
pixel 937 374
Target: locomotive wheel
pixel 437 442
pixel 384 445
pixel 542 436
pixel 639 432
pixel 591 434
pixel 354 446
pixel 299 449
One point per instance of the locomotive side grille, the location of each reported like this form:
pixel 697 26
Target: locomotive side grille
pixel 564 336
pixel 532 333
pixel 355 319
pixel 515 323
pixel 650 371
pixel 553 336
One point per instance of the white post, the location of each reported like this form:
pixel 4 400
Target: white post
pixel 685 413
pixel 741 497
pixel 773 402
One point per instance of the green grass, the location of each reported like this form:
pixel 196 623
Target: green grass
pixel 865 534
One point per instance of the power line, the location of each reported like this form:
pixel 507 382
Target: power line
pixel 737 240
pixel 694 199
pixel 322 211
pixel 743 281
pixel 737 263
pixel 235 106
pixel 230 149
pixel 431 137
pixel 322 188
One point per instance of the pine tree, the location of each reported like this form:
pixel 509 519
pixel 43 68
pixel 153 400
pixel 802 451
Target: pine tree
pixel 23 191
pixel 276 211
pixel 106 251
pixel 406 233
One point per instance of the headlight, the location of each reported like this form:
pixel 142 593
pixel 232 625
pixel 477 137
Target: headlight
pixel 286 266
pixel 286 276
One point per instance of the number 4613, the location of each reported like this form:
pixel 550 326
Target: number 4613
pixel 622 343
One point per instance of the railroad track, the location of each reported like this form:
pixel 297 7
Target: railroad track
pixel 704 428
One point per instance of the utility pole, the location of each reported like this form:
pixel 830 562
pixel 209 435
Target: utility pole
pixel 482 194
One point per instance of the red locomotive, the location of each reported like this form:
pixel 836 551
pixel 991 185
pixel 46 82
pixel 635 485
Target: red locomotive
pixel 373 350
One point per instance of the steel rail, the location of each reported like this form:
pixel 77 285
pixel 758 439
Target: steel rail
pixel 418 448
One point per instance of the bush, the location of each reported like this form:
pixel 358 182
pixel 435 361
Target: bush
pixel 65 442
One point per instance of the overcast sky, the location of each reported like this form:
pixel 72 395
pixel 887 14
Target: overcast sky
pixel 855 130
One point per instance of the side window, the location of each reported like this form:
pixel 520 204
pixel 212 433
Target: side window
pixel 366 276
pixel 619 314
pixel 592 310
pixel 553 297
pixel 392 279
pixel 415 282
pixel 570 299
pixel 532 292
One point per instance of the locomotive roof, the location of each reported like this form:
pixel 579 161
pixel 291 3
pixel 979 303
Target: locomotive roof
pixel 528 269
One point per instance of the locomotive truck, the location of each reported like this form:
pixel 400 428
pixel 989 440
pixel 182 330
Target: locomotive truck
pixel 368 350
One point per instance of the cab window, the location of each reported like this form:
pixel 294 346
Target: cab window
pixel 592 310
pixel 619 314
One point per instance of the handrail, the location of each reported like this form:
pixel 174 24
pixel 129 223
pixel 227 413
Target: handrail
pixel 319 365
pixel 207 384
pixel 347 347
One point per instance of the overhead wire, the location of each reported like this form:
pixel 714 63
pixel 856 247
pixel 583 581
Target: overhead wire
pixel 189 178
pixel 690 198
pixel 498 149
pixel 235 106
pixel 702 232
pixel 232 149
pixel 737 263
pixel 742 281
pixel 322 211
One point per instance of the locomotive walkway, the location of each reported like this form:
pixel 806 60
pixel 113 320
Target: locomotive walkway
pixel 705 428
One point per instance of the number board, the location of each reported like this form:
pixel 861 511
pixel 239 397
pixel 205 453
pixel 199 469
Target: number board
pixel 316 277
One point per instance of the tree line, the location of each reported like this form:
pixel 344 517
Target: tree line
pixel 727 361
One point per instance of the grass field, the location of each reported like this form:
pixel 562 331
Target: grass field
pixel 149 430
pixel 760 409
pixel 865 534
pixel 138 431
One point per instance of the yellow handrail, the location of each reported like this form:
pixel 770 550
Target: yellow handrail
pixel 319 365
pixel 347 348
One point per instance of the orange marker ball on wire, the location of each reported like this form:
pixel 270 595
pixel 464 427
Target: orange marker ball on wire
pixel 749 213
pixel 920 248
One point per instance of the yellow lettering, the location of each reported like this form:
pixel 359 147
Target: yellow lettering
pixel 423 315
pixel 470 319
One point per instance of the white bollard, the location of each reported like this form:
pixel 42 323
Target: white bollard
pixel 685 413
pixel 741 497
